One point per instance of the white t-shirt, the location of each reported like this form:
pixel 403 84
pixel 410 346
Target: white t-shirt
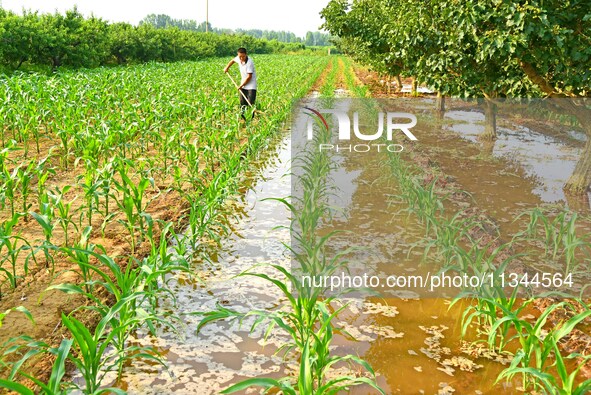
pixel 245 69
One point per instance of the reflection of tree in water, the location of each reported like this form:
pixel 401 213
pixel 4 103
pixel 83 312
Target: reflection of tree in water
pixel 556 117
pixel 487 148
pixel 578 203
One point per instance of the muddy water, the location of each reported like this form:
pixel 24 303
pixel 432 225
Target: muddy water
pixel 414 344
pixel 545 159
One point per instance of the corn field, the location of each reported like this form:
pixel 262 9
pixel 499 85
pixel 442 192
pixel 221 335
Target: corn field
pixel 99 170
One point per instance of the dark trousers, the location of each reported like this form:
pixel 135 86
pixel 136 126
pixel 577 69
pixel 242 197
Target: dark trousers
pixel 251 94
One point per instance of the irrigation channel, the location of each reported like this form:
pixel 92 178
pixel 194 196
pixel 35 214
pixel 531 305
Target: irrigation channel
pixel 413 342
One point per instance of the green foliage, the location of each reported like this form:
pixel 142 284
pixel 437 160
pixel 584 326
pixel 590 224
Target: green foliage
pixel 559 235
pixel 358 31
pixel 162 21
pixel 73 41
pixel 539 346
pixel 471 48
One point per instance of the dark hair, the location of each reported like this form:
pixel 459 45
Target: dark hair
pixel 241 50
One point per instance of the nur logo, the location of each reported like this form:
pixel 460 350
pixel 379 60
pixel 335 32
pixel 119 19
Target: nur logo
pixel 393 121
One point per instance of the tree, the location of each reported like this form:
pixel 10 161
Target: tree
pixel 16 36
pixel 123 44
pixel 159 21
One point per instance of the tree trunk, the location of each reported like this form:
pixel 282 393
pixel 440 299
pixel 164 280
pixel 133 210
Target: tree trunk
pixel 399 82
pixel 440 105
pixel 490 121
pixel 413 90
pixel 579 181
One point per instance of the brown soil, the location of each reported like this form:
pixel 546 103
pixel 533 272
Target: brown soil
pixel 341 84
pixel 379 85
pixel 322 79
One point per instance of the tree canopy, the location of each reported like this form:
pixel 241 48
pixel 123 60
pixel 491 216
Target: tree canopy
pixel 164 21
pixel 472 47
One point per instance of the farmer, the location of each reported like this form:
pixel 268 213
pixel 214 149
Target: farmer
pixel 248 85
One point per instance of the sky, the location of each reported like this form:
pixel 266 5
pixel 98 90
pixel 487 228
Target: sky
pixel 297 16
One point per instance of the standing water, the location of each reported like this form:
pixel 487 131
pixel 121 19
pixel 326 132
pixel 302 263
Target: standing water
pixel 412 343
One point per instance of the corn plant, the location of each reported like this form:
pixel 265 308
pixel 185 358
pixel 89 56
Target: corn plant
pixel 65 215
pixel 11 246
pixel 79 255
pixel 11 183
pixel 559 236
pixel 105 180
pixel 92 357
pixel 144 278
pixel 55 383
pixel 43 174
pixel 538 347
pixel 46 219
pixel 448 236
pixel 65 138
pixel 25 175
pixel 91 186
pixel 132 203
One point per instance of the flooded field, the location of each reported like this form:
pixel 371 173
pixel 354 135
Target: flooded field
pixel 413 339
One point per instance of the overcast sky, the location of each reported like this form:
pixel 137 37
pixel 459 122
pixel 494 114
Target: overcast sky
pixel 298 16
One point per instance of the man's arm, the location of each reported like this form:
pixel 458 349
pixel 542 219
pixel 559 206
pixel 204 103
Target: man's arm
pixel 248 78
pixel 230 63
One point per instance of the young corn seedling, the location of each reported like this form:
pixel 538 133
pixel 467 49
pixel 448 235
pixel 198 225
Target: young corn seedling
pixel 132 203
pixel 55 384
pixel 559 236
pixel 43 174
pixel 65 138
pixel 11 183
pixel 79 255
pixel 105 180
pixel 539 346
pixel 91 185
pixel 448 236
pixel 137 285
pixel 92 356
pixel 25 175
pixel 46 219
pixel 10 249
pixel 65 215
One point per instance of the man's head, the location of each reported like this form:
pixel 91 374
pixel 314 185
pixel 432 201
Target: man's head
pixel 242 54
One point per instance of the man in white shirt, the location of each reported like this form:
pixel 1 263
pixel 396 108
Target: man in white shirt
pixel 248 84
